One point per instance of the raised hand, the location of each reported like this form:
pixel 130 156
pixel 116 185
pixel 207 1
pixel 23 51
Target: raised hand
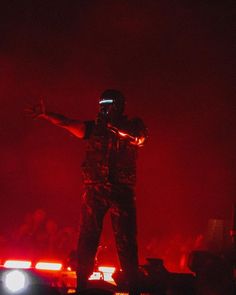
pixel 37 110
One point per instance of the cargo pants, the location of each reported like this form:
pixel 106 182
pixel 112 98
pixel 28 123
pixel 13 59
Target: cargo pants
pixel 97 200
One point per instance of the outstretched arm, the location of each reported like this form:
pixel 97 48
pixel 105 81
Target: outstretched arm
pixel 76 127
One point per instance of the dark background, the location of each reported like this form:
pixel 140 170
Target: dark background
pixel 174 60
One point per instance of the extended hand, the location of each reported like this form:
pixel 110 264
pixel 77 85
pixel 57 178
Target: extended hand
pixel 36 111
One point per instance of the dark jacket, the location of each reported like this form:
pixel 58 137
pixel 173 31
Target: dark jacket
pixel 110 158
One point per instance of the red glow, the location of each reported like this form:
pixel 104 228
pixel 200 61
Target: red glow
pixel 139 140
pixel 123 134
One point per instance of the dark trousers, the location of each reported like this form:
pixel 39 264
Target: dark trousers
pixel 97 200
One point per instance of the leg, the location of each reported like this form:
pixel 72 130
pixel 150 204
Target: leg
pixel 124 226
pixel 92 213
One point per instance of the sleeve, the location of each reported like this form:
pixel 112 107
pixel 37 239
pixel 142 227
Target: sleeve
pixel 89 126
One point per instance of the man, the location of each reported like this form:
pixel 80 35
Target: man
pixel 109 172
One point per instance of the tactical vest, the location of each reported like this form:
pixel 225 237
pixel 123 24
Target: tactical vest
pixel 109 159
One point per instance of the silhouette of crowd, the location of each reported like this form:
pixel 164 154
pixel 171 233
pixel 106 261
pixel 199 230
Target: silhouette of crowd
pixel 39 236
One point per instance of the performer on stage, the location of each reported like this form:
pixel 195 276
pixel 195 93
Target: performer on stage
pixel 109 172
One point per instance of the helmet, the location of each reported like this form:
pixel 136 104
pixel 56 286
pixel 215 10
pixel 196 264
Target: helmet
pixel 113 97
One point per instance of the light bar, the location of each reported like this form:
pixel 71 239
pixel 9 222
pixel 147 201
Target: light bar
pixel 103 101
pixel 48 266
pixel 107 272
pixel 104 273
pixel 95 276
pixel 23 264
pixel 71 291
pixel 107 269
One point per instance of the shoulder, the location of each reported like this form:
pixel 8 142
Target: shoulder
pixel 136 121
pixel 137 124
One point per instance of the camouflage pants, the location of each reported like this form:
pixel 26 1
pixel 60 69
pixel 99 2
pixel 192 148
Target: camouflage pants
pixel 120 201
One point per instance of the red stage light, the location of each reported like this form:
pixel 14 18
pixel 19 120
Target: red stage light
pixel 24 264
pixel 107 272
pixel 48 266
